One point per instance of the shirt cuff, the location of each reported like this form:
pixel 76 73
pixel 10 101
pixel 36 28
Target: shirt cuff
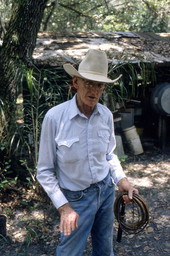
pixel 58 199
pixel 121 176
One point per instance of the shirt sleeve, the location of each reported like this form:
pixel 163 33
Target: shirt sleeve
pixel 116 169
pixel 46 169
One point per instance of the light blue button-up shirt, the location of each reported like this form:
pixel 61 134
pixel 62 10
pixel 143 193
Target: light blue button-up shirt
pixel 76 151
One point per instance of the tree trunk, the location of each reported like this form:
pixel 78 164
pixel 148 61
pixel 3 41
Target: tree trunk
pixel 19 43
pixel 16 51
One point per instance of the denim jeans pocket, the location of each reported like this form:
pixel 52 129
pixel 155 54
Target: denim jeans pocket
pixel 73 196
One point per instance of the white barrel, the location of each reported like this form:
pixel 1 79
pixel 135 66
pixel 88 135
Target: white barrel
pixel 133 140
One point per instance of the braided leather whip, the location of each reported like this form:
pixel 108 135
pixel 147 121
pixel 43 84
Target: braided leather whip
pixel 132 218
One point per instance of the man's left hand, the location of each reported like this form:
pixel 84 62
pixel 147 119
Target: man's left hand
pixel 125 186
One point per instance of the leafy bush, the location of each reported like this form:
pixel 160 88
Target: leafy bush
pixel 41 90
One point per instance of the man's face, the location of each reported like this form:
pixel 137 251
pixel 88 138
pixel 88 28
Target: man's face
pixel 88 92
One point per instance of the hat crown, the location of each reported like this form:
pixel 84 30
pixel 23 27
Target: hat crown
pixel 93 67
pixel 94 62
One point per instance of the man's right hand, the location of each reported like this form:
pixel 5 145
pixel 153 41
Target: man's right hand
pixel 68 219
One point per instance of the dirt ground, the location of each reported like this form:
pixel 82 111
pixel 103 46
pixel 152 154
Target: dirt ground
pixel 33 223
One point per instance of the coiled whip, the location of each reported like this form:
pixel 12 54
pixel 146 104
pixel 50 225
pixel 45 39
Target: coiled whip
pixel 133 217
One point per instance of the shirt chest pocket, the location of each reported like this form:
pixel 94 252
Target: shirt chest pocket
pixel 68 150
pixel 103 137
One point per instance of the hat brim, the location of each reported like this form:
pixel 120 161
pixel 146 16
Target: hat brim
pixel 87 75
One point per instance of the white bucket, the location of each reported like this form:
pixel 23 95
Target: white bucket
pixel 133 140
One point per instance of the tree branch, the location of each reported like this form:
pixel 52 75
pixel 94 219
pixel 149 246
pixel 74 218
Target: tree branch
pixel 107 7
pixel 79 12
pixel 53 5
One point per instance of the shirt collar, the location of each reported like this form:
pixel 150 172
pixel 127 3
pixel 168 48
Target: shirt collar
pixel 74 111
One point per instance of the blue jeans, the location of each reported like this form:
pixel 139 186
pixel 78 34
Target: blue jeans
pixel 95 208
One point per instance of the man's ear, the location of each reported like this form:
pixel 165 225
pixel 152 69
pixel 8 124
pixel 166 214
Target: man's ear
pixel 75 82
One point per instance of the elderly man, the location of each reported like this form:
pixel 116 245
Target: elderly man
pixel 77 166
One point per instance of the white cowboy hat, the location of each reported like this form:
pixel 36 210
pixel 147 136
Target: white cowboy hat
pixel 93 67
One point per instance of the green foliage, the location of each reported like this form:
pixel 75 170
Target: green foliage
pixel 109 15
pixel 124 15
pixel 42 90
pixel 5 180
pixel 134 81
pixel 7 139
pixel 5 10
pixel 144 16
pixel 123 158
